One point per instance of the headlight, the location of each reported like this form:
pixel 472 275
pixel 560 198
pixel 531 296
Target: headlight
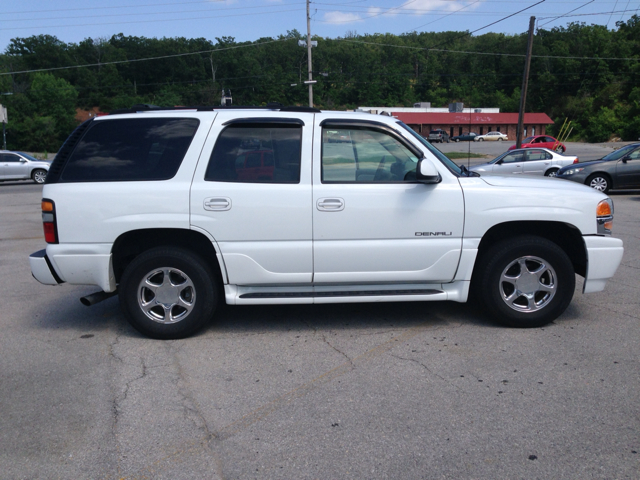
pixel 571 171
pixel 604 216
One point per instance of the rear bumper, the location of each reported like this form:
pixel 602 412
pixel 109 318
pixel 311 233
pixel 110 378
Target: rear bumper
pixel 75 264
pixel 604 255
pixel 42 270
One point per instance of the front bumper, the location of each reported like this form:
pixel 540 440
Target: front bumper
pixel 604 255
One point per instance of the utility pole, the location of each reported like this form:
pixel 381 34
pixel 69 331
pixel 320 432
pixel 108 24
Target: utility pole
pixel 309 56
pixel 308 43
pixel 525 84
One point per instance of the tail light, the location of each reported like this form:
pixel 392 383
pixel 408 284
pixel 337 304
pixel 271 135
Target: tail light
pixel 576 160
pixel 49 221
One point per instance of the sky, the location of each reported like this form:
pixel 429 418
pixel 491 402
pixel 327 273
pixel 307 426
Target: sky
pixel 71 21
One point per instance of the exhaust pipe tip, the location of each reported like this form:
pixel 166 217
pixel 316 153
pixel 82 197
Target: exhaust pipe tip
pixel 96 298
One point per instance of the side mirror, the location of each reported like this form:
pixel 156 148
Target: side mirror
pixel 427 173
pixel 499 162
pixel 626 158
pixel 22 160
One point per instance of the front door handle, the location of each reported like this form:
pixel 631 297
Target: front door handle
pixel 330 204
pixel 217 204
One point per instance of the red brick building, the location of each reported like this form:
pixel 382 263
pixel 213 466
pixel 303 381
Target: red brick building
pixel 480 123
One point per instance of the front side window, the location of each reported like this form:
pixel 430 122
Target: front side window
pixel 360 154
pixel 8 157
pixel 257 153
pixel 131 149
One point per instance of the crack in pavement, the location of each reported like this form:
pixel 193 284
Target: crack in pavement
pixel 426 368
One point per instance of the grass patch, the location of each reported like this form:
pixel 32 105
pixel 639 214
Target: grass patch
pixel 458 155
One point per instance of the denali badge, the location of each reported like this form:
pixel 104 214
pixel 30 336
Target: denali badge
pixel 433 234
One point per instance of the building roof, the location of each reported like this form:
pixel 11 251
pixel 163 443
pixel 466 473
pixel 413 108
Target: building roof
pixel 476 118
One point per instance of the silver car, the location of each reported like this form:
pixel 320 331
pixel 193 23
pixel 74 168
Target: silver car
pixel 21 166
pixel 526 161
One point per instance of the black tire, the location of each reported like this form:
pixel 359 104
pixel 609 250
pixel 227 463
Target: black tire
pixel 560 149
pixel 549 280
pixel 481 139
pixel 191 295
pixel 500 139
pixel 552 172
pixel 39 175
pixel 599 181
pixel 457 140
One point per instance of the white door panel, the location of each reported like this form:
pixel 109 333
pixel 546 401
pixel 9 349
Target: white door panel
pixel 263 229
pixel 383 232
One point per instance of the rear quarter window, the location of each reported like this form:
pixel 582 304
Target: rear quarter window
pixel 131 150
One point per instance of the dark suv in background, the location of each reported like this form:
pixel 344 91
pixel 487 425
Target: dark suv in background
pixel 438 136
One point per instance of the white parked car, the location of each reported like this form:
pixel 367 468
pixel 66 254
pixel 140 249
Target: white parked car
pixel 491 136
pixel 179 209
pixel 526 161
pixel 21 166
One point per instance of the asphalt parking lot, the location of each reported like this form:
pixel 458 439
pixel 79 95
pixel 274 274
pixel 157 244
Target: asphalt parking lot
pixel 397 390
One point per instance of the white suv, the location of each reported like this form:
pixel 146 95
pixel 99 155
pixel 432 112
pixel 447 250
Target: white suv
pixel 174 209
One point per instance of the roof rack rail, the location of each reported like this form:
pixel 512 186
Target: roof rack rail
pixel 145 107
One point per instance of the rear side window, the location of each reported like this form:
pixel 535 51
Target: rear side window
pixel 131 150
pixel 257 153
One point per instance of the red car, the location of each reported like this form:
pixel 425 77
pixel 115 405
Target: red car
pixel 542 141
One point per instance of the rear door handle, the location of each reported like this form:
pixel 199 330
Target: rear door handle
pixel 330 204
pixel 217 204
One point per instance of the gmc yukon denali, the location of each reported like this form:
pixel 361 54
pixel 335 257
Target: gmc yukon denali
pixel 176 210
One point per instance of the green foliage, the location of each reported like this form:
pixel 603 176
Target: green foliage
pixel 598 94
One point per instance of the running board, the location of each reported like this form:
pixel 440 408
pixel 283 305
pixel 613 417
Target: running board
pixel 340 293
pixel 292 294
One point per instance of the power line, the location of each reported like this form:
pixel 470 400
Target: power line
pixel 150 21
pixel 571 11
pixel 145 59
pixel 279 5
pixel 431 49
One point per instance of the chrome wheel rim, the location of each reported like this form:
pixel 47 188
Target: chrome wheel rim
pixel 39 177
pixel 553 173
pixel 528 284
pixel 599 183
pixel 166 295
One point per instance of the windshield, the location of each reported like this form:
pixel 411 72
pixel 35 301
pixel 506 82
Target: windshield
pixel 618 154
pixel 28 157
pixel 438 154
pixel 500 157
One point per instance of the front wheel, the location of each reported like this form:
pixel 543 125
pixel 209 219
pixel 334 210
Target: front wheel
pixel 600 182
pixel 39 175
pixel 525 281
pixel 168 293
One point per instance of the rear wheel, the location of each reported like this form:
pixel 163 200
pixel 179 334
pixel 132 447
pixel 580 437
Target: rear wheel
pixel 457 140
pixel 500 139
pixel 168 293
pixel 525 281
pixel 481 139
pixel 600 182
pixel 551 173
pixel 560 149
pixel 39 175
